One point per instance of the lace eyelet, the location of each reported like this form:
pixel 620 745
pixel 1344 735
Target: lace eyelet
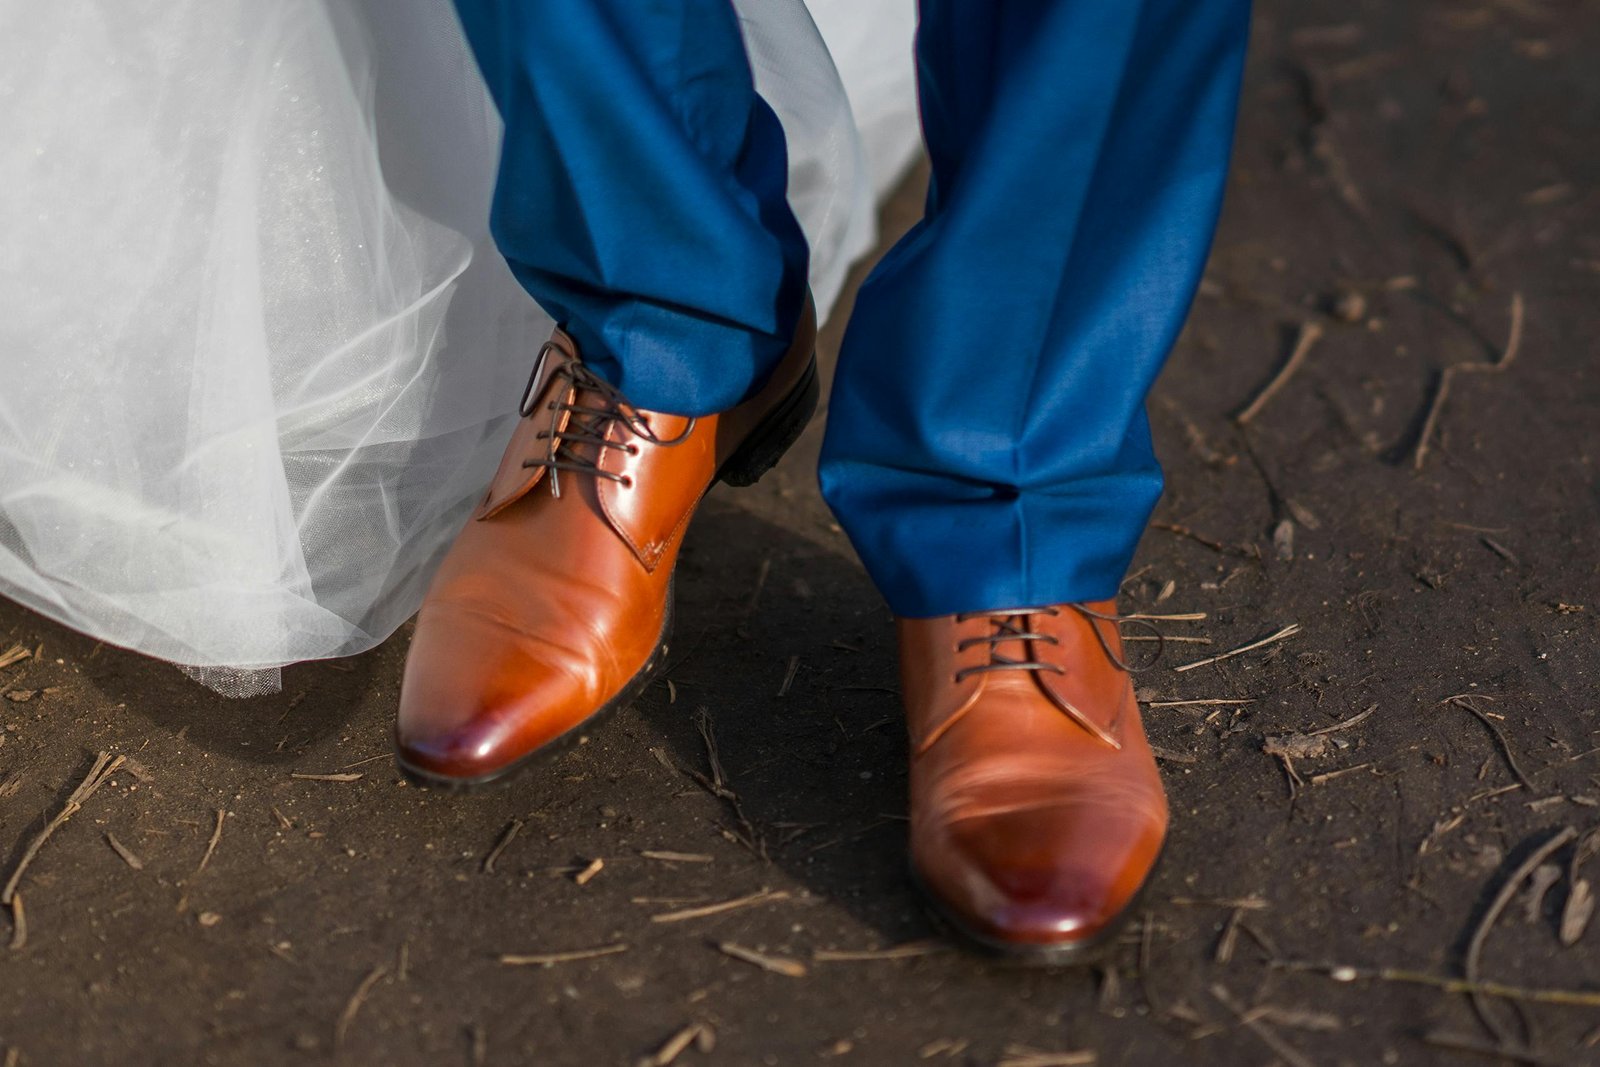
pixel 626 482
pixel 632 450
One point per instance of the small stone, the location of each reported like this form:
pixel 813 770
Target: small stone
pixel 1349 306
pixel 209 918
pixel 1283 541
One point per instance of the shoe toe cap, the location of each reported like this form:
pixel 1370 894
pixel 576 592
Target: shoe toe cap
pixel 476 700
pixel 476 749
pixel 1047 878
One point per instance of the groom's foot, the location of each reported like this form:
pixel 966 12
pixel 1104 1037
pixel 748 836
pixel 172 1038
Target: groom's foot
pixel 1037 812
pixel 555 601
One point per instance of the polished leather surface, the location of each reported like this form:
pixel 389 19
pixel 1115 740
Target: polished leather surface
pixel 1036 808
pixel 549 604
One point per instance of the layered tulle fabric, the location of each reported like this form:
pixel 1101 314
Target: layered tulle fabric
pixel 257 353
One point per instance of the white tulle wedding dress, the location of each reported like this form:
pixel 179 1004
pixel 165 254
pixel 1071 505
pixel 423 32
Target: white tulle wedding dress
pixel 257 353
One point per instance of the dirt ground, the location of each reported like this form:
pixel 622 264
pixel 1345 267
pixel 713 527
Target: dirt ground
pixel 1418 183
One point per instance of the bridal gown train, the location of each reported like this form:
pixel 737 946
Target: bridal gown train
pixel 257 353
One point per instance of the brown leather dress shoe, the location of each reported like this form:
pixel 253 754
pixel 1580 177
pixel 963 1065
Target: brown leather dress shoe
pixel 555 601
pixel 1037 812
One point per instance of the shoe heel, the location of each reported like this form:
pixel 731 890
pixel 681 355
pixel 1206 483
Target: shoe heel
pixel 774 435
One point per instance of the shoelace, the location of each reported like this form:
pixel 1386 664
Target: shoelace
pixel 1012 626
pixel 591 426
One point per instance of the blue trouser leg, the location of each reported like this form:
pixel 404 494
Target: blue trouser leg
pixel 641 194
pixel 987 443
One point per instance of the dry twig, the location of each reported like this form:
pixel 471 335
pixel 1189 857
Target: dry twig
pixel 211 847
pixel 1462 1043
pixel 775 964
pixel 1339 972
pixel 1238 551
pixel 1278 1045
pixel 909 950
pixel 1312 745
pixel 1247 903
pixel 105 765
pixel 357 999
pixel 788 677
pixel 698 1034
pixel 126 853
pixel 506 837
pixel 19 923
pixel 1447 378
pixel 1215 701
pixel 1473 963
pixel 1580 904
pixel 717 784
pixel 1283 634
pixel 765 896
pixel 1310 334
pixel 1468 701
pixel 1328 776
pixel 1229 938
pixel 550 959
pixel 1023 1056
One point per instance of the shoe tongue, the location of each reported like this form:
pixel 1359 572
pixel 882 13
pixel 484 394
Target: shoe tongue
pixel 1018 649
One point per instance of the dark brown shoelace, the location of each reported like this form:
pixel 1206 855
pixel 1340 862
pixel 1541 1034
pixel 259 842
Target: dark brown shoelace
pixel 1012 626
pixel 591 425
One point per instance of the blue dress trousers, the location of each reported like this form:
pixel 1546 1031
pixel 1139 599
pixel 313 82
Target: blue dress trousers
pixel 987 445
